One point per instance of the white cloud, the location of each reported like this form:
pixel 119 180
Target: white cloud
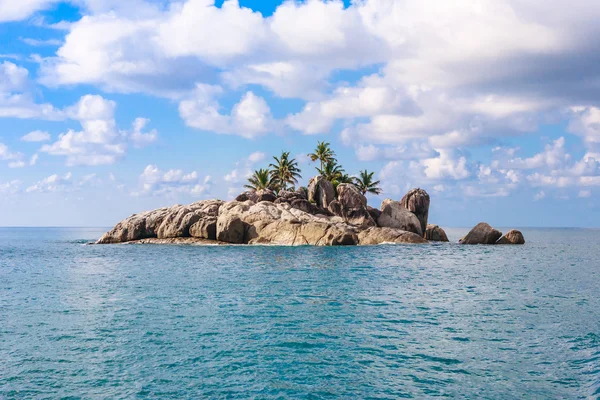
pixel 539 196
pixel 99 141
pixel 6 154
pixel 411 151
pixel 154 181
pixel 10 188
pixel 439 78
pixel 455 73
pixel 257 156
pixel 238 176
pixel 554 156
pixel 138 137
pixel 249 118
pixel 585 121
pixel 41 42
pixel 233 30
pixel 16 98
pixel 584 194
pixel 36 136
pixel 448 165
pixel 53 183
pixel 11 10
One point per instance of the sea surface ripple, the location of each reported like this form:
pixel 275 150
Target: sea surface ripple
pixel 382 322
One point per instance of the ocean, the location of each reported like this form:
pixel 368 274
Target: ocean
pixel 382 322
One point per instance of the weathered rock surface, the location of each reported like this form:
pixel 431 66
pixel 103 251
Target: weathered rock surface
pixel 320 192
pixel 435 234
pixel 304 205
pixel 205 228
pixel 177 223
pixel 161 223
pixel 375 213
pixel 293 233
pixel 249 195
pixel 291 196
pixel 351 205
pixel 512 237
pixel 302 192
pixel 417 201
pixel 482 233
pixel 394 215
pixel 378 235
pixel 231 229
pixel 265 195
pixel 248 222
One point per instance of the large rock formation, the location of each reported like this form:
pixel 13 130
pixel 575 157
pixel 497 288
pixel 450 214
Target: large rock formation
pixel 320 192
pixel 435 234
pixel 305 205
pixel 351 205
pixel 388 235
pixel 205 228
pixel 375 213
pixel 257 195
pixel 417 201
pixel 394 215
pixel 249 222
pixel 512 237
pixel 294 220
pixel 162 223
pixel 482 233
pixel 177 223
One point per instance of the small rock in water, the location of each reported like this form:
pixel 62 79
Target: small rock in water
pixel 512 237
pixel 435 234
pixel 482 233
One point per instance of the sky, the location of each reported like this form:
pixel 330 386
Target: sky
pixel 110 107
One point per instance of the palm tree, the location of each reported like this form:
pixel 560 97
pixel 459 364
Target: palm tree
pixel 260 180
pixel 284 171
pixel 331 171
pixel 323 153
pixel 345 178
pixel 365 183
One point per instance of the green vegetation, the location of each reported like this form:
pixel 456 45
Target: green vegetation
pixel 260 180
pixel 323 153
pixel 364 182
pixel 284 173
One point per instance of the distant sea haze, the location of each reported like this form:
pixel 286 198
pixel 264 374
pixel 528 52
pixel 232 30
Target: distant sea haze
pixel 387 321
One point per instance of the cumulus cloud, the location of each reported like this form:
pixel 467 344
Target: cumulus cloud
pixel 138 137
pixel 11 10
pixel 6 154
pixel 10 188
pixel 53 183
pixel 154 181
pixel 416 84
pixel 36 136
pixel 16 97
pixel 99 141
pixel 249 118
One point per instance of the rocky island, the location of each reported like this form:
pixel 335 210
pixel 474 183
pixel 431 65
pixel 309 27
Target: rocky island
pixel 331 211
pixel 304 217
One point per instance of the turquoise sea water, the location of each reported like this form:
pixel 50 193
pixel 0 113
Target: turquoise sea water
pixel 383 322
